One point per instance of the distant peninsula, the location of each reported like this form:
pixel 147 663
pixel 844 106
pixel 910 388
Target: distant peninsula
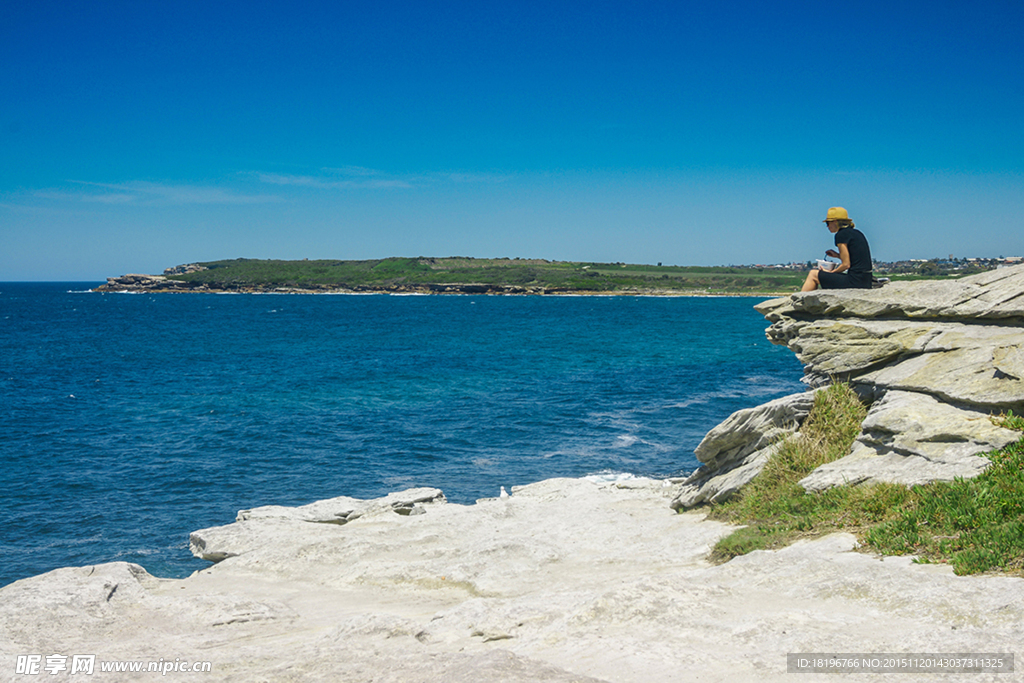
pixel 458 275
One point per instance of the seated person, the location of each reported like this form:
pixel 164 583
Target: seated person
pixel 854 271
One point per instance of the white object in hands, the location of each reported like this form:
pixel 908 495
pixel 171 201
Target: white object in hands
pixel 826 265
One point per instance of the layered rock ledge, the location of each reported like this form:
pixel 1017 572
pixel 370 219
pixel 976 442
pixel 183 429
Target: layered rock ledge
pixel 934 359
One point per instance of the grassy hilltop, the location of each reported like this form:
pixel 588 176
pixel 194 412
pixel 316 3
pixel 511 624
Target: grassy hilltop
pixel 529 275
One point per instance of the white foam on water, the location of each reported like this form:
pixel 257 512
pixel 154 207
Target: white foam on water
pixel 610 477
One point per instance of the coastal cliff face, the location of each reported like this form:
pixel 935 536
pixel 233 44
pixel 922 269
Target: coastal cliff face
pixel 934 359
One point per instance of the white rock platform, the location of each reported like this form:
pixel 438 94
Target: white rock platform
pixel 565 580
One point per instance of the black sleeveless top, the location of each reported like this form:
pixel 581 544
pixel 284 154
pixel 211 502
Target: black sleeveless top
pixel 856 243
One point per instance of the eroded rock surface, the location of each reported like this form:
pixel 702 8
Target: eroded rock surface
pixel 263 525
pixel 993 296
pixel 912 438
pixel 564 580
pixel 735 452
pixel 136 282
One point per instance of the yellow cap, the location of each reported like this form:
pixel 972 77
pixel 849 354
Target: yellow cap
pixel 836 213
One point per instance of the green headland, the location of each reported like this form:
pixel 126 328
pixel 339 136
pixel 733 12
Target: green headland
pixel 466 275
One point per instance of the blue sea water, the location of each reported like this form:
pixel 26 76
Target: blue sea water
pixel 127 421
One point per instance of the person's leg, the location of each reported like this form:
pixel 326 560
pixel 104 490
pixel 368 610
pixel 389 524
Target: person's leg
pixel 827 280
pixel 811 283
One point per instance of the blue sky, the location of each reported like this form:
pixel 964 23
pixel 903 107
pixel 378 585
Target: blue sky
pixel 136 136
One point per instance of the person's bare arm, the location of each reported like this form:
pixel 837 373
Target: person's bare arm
pixel 843 255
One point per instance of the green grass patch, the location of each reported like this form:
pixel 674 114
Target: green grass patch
pixel 774 506
pixel 975 524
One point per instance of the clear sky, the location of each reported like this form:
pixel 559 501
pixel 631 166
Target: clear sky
pixel 139 135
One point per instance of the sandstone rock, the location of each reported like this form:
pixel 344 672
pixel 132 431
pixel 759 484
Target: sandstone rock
pixel 969 363
pixel 940 355
pixel 965 375
pixel 565 580
pixel 752 429
pixel 990 296
pixel 735 451
pixel 135 282
pixel 706 485
pixel 937 358
pixel 185 269
pixel 83 594
pixel 838 349
pixel 344 509
pixel 912 438
pixel 268 524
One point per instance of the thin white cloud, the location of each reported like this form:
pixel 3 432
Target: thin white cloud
pixel 146 193
pixel 354 171
pixel 331 183
pixel 140 193
pixel 475 177
pixel 110 198
pixel 359 177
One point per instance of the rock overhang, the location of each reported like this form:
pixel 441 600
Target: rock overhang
pixel 935 360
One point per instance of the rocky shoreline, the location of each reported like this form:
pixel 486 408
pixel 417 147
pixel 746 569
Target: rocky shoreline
pixel 597 579
pixel 159 284
pixel 138 283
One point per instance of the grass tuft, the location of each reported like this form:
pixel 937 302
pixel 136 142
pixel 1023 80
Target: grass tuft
pixel 975 525
pixel 774 505
pixel 1010 421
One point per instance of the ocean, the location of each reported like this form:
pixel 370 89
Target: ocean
pixel 129 420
